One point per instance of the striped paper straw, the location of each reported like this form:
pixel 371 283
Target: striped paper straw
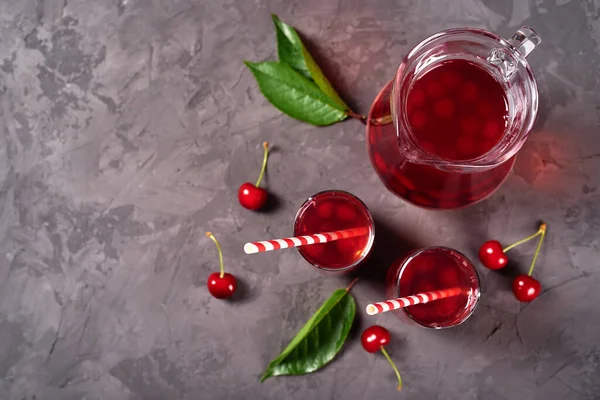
pixel 420 298
pixel 276 244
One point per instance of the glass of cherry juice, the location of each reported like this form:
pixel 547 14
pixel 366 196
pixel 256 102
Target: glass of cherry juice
pixel 429 269
pixel 329 211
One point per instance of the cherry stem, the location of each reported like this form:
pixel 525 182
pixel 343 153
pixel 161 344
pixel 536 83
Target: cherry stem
pixel 351 285
pixel 537 250
pixel 264 164
pixel 214 239
pixel 359 117
pixel 393 366
pixel 527 239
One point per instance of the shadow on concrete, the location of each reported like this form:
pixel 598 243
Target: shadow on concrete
pixel 243 292
pixel 391 243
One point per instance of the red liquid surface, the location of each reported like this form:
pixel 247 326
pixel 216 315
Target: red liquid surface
pixel 457 111
pixel 334 211
pixel 435 269
pixel 426 185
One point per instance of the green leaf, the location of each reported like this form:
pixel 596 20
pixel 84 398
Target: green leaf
pixel 289 47
pixel 292 51
pixel 319 340
pixel 295 95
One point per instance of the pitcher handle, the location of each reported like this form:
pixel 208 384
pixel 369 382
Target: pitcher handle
pixel 525 40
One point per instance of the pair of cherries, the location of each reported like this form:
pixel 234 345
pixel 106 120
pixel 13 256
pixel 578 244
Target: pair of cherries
pixel 493 256
pixel 251 196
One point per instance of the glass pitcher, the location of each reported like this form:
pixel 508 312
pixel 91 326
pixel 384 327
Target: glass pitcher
pixel 444 132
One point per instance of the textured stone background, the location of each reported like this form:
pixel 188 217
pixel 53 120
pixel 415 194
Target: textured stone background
pixel 127 127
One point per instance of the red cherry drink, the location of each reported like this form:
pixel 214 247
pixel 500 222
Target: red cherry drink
pixel 430 269
pixel 333 211
pixel 457 111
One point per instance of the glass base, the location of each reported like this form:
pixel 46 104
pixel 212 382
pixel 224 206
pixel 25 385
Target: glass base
pixel 423 185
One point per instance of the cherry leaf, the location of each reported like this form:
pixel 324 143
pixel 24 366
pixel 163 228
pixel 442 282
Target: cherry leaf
pixel 295 95
pixel 292 51
pixel 318 342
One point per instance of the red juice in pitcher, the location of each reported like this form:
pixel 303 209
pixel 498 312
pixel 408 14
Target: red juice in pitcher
pixel 329 211
pixel 444 133
pixel 457 111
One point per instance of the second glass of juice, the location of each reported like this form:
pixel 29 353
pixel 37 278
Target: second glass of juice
pixel 429 269
pixel 329 211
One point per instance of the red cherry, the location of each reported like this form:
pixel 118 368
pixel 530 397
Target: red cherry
pixel 346 212
pixel 314 251
pixel 469 92
pixel 325 210
pixel 220 284
pixel 253 197
pixel 444 108
pixel 373 339
pixel 446 276
pixel 221 287
pixel 451 79
pixel 526 288
pixel 418 119
pixel 470 125
pixel 417 98
pixel 492 130
pixel 492 255
pixel 350 246
pixel 435 90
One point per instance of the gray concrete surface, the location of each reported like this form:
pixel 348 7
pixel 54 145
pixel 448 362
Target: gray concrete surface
pixel 128 125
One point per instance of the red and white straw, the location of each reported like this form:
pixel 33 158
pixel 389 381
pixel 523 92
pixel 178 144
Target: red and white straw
pixel 420 298
pixel 276 244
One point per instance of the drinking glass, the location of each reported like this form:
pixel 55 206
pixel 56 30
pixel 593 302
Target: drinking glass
pixel 329 211
pixel 430 269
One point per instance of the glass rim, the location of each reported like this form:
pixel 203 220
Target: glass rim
pixel 470 30
pixel 369 245
pixel 416 253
